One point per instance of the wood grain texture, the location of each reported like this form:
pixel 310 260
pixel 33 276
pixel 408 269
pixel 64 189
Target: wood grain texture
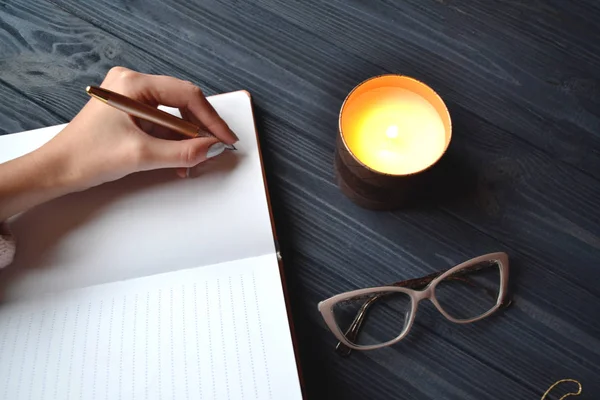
pixel 522 81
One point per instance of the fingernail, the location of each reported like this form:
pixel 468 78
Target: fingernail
pixel 215 149
pixel 237 139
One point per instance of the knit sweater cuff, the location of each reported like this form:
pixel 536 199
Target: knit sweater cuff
pixel 7 245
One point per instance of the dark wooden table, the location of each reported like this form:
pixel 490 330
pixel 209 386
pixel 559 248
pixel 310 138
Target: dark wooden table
pixel 522 81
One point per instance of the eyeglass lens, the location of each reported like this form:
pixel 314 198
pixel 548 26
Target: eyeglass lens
pixel 373 319
pixel 470 292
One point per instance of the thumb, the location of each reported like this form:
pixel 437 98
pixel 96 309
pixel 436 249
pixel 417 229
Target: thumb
pixel 182 153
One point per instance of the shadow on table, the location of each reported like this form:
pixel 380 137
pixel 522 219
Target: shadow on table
pixel 450 181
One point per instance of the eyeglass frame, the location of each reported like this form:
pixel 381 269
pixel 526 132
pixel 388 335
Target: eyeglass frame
pixel 416 296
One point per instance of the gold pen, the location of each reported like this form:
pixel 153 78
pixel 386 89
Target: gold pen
pixel 148 113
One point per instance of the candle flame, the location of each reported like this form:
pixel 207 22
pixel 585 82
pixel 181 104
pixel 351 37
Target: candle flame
pixel 392 131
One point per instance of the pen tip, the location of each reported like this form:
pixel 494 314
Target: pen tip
pixel 87 89
pixel 230 147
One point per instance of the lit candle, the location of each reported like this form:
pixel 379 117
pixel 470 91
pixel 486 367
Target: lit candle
pixel 392 127
pixel 395 125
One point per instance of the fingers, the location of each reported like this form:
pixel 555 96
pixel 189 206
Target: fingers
pixel 189 116
pixel 173 92
pixel 160 153
pixel 223 162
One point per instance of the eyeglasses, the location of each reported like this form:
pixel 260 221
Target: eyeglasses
pixel 463 294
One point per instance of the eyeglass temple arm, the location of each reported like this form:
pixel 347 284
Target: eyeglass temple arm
pixel 354 328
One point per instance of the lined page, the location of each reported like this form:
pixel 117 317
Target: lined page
pixel 218 332
pixel 145 224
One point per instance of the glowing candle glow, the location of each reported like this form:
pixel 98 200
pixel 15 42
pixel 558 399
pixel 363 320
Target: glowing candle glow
pixel 395 125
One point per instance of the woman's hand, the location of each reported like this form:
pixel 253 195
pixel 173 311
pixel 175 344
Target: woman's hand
pixel 102 144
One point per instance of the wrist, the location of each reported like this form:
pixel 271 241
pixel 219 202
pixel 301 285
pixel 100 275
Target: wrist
pixel 51 172
pixel 30 180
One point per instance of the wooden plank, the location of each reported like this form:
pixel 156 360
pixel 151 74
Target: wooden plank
pixel 59 60
pixel 18 113
pixel 522 201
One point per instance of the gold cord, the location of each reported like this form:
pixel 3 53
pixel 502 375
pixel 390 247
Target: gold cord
pixel 566 395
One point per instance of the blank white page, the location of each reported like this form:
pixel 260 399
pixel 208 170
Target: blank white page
pixel 217 332
pixel 145 224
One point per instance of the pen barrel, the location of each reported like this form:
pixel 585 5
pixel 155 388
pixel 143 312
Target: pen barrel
pixel 156 116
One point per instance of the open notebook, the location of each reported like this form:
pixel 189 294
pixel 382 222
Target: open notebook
pixel 149 287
